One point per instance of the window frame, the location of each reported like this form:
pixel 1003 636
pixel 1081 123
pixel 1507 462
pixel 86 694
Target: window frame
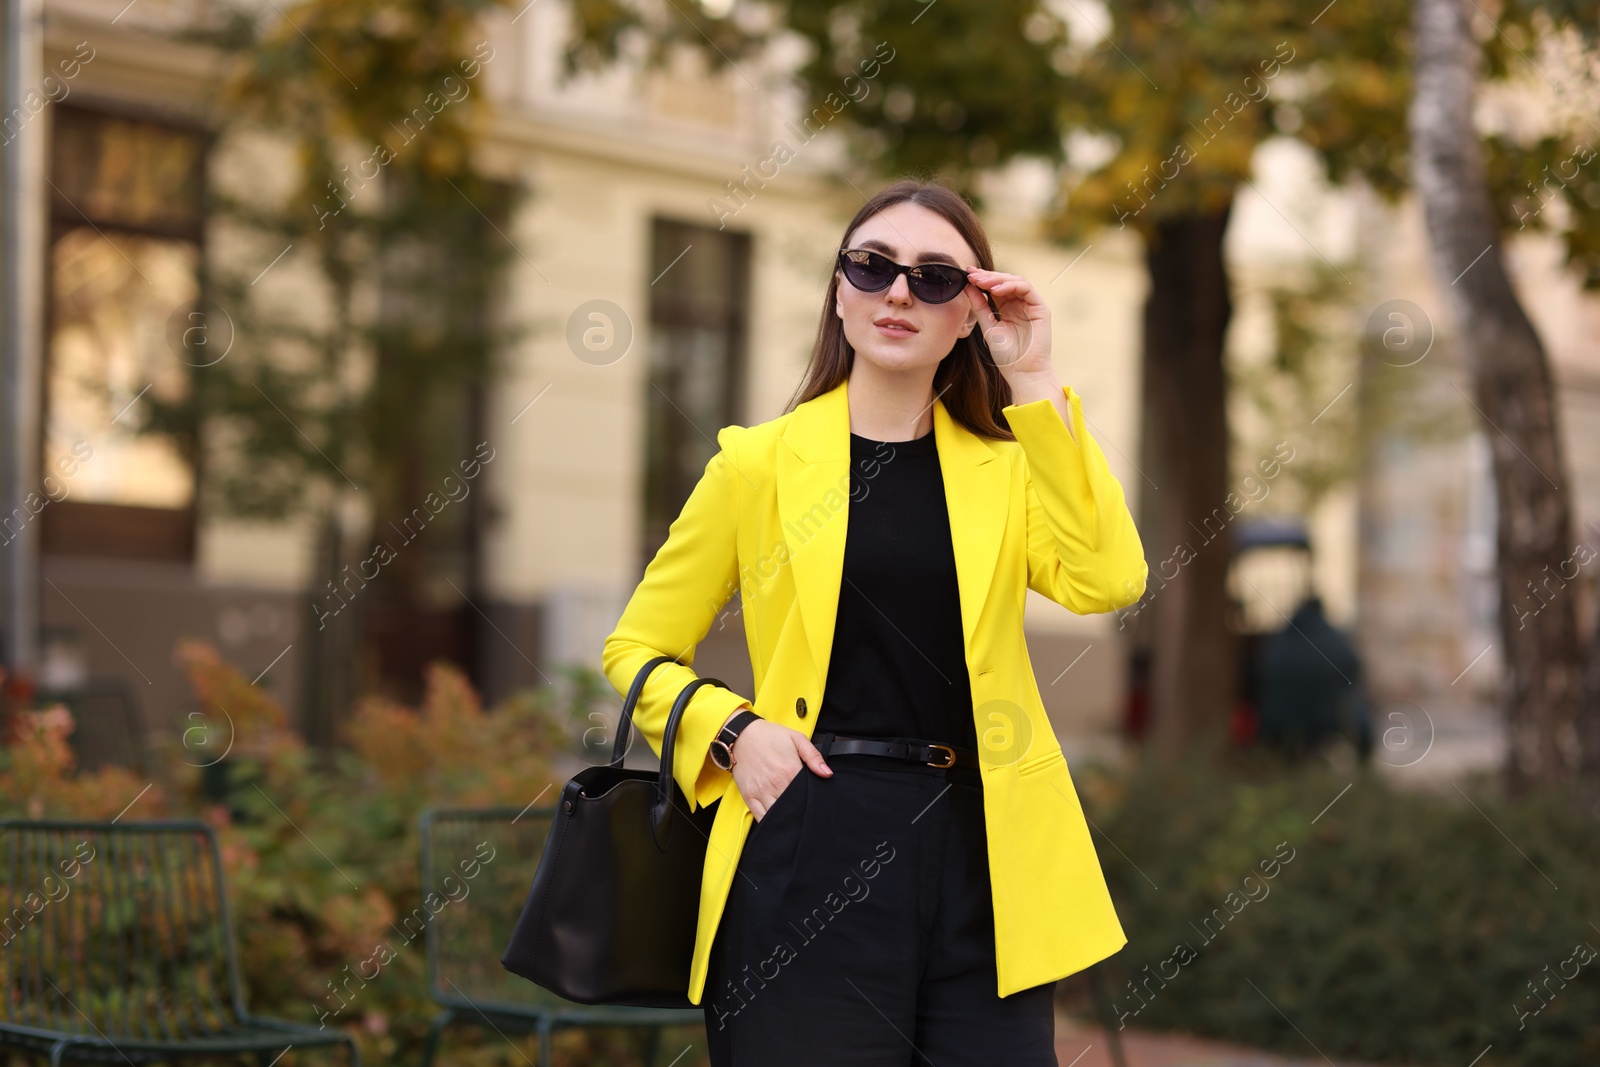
pixel 96 528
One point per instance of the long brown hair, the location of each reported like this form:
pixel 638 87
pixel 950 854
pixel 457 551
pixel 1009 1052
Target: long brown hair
pixel 967 381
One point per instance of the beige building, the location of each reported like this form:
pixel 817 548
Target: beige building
pixel 668 294
pixel 662 306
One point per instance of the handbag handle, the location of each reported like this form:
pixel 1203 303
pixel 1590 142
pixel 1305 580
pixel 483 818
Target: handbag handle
pixel 619 746
pixel 663 805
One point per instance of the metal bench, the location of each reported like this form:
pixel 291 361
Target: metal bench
pixel 118 948
pixel 477 866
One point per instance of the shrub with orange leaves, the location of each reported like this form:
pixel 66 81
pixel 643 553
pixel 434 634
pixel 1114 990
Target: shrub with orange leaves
pixel 38 779
pixel 244 714
pixel 450 750
pixel 320 856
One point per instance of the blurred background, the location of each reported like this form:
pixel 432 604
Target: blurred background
pixel 358 355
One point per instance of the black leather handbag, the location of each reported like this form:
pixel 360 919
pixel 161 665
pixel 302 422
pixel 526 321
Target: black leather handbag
pixel 615 902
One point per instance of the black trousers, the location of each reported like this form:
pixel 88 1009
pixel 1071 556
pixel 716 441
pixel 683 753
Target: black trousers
pixel 860 930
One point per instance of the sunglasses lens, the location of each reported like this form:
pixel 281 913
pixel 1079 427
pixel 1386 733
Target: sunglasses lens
pixel 936 284
pixel 867 271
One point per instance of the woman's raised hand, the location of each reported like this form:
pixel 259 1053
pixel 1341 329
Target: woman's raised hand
pixel 1019 339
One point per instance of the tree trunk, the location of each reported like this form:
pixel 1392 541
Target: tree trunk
pixel 1515 396
pixel 331 681
pixel 1589 716
pixel 1192 659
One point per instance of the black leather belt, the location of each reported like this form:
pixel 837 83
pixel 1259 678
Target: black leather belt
pixel 930 753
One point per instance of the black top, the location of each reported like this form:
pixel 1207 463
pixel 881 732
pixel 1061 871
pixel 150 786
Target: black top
pixel 898 666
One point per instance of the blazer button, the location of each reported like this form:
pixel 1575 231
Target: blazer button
pixel 800 706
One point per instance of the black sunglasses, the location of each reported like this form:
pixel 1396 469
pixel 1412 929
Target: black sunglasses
pixel 932 283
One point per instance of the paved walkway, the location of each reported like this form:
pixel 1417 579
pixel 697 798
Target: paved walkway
pixel 1079 1044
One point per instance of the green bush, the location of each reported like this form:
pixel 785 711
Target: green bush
pixel 321 856
pixel 1364 922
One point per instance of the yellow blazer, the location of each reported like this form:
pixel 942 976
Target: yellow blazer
pixel 768 519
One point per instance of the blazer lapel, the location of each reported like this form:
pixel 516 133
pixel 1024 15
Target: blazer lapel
pixel 977 491
pixel 813 471
pixel 813 486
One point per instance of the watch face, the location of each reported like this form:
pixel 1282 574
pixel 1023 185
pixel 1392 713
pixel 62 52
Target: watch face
pixel 721 755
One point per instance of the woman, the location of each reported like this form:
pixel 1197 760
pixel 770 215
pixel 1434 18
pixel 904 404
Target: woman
pixel 899 868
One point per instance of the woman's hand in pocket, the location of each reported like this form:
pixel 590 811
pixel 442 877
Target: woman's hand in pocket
pixel 766 758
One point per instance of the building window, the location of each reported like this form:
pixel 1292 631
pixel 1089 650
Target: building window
pixel 699 311
pixel 124 260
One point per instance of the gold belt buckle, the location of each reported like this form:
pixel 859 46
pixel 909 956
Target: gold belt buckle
pixel 950 756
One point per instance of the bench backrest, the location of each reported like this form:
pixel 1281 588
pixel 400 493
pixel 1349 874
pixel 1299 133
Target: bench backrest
pixel 477 867
pixel 115 929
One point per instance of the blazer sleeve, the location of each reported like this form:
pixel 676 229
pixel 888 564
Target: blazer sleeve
pixel 1083 549
pixel 684 587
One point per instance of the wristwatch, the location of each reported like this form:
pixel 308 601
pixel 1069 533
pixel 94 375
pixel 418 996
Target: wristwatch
pixel 722 744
